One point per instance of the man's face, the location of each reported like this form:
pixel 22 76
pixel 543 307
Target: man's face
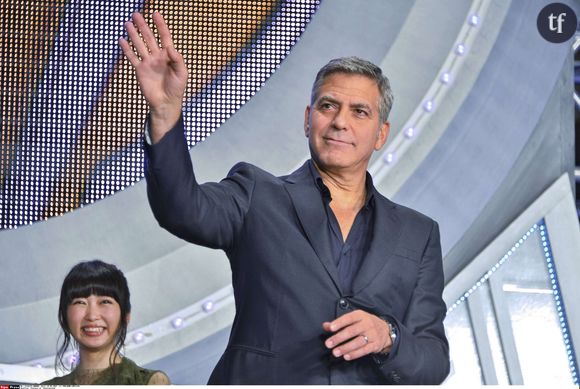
pixel 343 125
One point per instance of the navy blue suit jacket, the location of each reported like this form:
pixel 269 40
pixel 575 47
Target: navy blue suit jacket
pixel 286 283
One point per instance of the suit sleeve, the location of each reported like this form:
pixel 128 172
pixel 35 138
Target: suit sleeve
pixel 421 352
pixel 210 214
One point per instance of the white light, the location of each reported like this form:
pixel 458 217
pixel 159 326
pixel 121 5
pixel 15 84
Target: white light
pixel 207 306
pixel 428 106
pixel 409 132
pixel 72 359
pixel 138 337
pixel 519 289
pixel 445 78
pixel 460 49
pixel 389 158
pixel 177 322
pixel 473 20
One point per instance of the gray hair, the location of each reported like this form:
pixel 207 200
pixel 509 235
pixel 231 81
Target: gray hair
pixel 356 65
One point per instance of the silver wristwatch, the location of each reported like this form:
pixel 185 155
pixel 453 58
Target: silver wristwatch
pixel 392 331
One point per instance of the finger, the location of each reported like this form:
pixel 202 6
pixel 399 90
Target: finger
pixel 343 335
pixel 146 32
pixel 128 51
pixel 348 347
pixel 163 29
pixel 359 352
pixel 177 61
pixel 137 41
pixel 344 321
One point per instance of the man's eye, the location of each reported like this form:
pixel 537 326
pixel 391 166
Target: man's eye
pixel 325 106
pixel 361 112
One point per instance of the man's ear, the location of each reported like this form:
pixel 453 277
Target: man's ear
pixel 307 121
pixel 382 135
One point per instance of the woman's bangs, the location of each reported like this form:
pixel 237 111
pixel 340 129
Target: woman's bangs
pixel 83 288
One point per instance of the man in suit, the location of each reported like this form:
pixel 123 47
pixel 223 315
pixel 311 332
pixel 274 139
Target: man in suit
pixel 333 283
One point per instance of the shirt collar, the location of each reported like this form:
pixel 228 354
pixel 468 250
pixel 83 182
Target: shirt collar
pixel 325 192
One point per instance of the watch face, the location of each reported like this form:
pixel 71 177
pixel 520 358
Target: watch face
pixel 393 331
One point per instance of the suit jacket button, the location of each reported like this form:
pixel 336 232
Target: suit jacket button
pixel 343 303
pixel 395 377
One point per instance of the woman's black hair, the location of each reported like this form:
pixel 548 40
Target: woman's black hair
pixel 93 278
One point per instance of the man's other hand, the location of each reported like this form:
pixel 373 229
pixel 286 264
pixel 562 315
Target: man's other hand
pixel 357 334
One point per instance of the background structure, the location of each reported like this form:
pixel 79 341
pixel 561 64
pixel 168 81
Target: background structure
pixel 482 140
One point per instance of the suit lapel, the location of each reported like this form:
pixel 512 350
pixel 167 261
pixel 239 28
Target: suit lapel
pixel 386 237
pixel 307 203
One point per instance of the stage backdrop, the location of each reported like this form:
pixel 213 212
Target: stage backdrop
pixel 70 108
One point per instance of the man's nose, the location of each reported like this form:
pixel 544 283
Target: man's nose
pixel 340 121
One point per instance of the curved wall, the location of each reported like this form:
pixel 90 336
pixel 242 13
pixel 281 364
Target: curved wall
pixel 496 138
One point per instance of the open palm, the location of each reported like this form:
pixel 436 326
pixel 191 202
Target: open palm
pixel 160 69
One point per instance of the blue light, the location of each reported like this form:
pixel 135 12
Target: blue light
pixel 555 289
pixel 559 304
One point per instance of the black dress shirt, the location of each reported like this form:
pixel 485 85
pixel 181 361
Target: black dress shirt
pixel 348 255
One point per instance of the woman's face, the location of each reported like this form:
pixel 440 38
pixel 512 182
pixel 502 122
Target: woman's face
pixel 94 322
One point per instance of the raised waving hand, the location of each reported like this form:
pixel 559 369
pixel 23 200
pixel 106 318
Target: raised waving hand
pixel 160 71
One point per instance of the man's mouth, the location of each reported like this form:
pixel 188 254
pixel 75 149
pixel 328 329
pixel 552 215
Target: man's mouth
pixel 337 141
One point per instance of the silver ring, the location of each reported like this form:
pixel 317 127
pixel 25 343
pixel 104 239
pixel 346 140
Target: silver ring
pixel 365 339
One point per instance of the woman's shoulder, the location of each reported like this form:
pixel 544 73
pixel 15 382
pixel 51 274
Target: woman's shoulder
pixel 133 374
pixel 126 373
pixel 159 378
pixel 63 380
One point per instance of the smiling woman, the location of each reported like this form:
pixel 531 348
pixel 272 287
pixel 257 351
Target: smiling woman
pixel 94 312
